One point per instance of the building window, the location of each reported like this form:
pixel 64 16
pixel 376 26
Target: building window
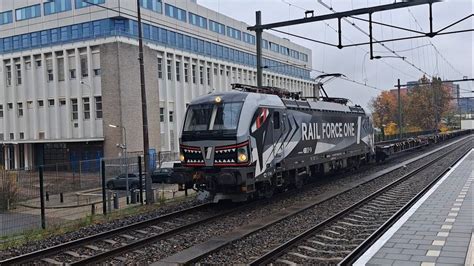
pixel 18 74
pixel 208 76
pixel 178 70
pixel 97 72
pixel 172 140
pixel 56 6
pixel 29 104
pixel 10 106
pixel 153 5
pixel 84 66
pixel 49 69
pixel 40 103
pixel 20 109
pixel 197 20
pixel 248 38
pixel 201 75
pixel 12 136
pixel 9 75
pixel 28 12
pixel 87 108
pixel 62 102
pixel 194 73
pixel 22 135
pixel 6 17
pixel 51 102
pixel 61 69
pixel 2 137
pixel 82 3
pixel 234 33
pixel 98 107
pixel 174 12
pixel 75 112
pixel 1 110
pixel 217 27
pixel 186 72
pixel 171 113
pixel 162 114
pixel 274 47
pixel 72 74
pixel 38 63
pixel 160 68
pixel 41 135
pixel 168 68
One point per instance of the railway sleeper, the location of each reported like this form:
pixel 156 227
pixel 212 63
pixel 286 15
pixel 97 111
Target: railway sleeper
pixel 75 254
pixel 95 248
pixel 328 245
pixel 51 261
pixel 322 259
pixel 331 238
pixel 288 262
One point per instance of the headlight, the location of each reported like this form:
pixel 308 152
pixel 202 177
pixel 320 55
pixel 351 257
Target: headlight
pixel 181 157
pixel 242 156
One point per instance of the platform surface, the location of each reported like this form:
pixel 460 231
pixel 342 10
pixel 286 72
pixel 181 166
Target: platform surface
pixel 437 230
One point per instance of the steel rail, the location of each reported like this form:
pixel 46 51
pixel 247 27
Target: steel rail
pixel 80 242
pixel 280 250
pixel 194 256
pixel 364 246
pixel 100 257
pixel 54 250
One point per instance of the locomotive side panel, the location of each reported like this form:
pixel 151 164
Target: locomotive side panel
pixel 285 139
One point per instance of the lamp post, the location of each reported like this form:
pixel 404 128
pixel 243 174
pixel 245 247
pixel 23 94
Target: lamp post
pixel 124 155
pixel 146 146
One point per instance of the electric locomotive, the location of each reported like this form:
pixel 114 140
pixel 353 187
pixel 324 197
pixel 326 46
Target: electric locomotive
pixel 251 141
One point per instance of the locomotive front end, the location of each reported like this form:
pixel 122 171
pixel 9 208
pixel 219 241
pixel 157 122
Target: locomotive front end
pixel 214 151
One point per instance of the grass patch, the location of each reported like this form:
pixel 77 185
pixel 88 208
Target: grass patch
pixel 60 228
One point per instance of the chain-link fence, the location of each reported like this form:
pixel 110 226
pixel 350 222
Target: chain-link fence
pixel 60 194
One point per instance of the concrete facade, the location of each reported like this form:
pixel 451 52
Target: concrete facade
pixel 122 97
pixel 65 76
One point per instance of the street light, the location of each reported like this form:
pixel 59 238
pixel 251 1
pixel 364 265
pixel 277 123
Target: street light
pixel 146 146
pixel 124 154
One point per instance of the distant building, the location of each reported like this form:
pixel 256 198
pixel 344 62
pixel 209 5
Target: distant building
pixel 69 69
pixel 466 105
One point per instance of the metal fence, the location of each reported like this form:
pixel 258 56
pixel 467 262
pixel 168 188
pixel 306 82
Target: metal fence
pixel 60 194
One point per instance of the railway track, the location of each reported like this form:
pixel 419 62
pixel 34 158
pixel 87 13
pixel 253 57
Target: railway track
pixel 332 241
pixel 96 247
pixel 113 244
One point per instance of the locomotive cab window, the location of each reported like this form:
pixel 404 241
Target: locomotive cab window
pixel 276 120
pixel 212 117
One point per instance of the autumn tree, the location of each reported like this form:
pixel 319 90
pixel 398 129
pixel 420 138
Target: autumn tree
pixel 384 109
pixel 424 107
pixel 428 103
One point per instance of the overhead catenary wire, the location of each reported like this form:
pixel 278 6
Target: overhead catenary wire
pixel 383 45
pixel 343 36
pixel 436 48
pixel 309 39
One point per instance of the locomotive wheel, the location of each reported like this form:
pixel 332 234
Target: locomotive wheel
pixel 266 191
pixel 299 182
pixel 269 191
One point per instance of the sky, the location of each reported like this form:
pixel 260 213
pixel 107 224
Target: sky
pixel 453 60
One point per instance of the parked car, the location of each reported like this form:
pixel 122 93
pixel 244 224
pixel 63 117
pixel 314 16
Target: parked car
pixel 164 174
pixel 120 182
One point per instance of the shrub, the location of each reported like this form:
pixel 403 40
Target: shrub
pixel 8 189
